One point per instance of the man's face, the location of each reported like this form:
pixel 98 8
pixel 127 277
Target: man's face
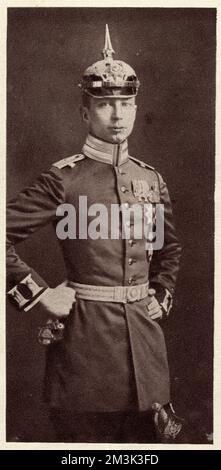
pixel 111 119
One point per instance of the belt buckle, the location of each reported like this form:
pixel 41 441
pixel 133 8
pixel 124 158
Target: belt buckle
pixel 133 294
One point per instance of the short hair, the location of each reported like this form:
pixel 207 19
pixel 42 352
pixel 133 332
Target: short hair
pixel 86 100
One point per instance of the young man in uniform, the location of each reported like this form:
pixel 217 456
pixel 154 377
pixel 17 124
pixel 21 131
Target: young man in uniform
pixel 107 372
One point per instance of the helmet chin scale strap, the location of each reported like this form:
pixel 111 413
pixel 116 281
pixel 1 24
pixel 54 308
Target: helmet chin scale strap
pixel 107 96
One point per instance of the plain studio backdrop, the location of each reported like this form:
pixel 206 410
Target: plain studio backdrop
pixel 173 53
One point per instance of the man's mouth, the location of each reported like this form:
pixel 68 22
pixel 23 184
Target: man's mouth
pixel 117 128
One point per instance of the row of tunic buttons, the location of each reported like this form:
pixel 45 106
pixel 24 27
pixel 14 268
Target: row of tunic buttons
pixel 128 224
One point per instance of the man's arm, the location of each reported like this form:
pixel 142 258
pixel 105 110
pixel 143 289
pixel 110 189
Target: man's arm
pixel 33 208
pixel 164 265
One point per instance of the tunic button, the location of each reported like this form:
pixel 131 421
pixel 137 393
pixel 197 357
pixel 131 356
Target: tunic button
pixel 130 280
pixel 131 242
pixel 128 223
pixel 126 205
pixel 130 261
pixel 123 189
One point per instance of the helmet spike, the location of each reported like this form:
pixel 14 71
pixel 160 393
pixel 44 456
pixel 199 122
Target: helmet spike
pixel 108 77
pixel 108 50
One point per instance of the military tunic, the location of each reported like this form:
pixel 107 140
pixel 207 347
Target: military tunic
pixel 113 355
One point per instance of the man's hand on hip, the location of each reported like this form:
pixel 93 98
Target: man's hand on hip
pixel 58 302
pixel 154 308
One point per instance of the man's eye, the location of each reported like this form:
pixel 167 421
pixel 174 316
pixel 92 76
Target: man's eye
pixel 103 104
pixel 127 105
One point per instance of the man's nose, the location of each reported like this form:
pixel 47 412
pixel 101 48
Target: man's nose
pixel 117 110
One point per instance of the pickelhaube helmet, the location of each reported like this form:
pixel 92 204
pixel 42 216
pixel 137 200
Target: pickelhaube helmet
pixel 108 77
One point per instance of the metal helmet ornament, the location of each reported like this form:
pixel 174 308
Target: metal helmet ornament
pixel 108 77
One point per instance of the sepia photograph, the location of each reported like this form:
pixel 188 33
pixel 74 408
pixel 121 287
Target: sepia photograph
pixel 110 225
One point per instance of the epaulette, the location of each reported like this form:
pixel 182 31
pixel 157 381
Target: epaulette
pixel 69 161
pixel 142 164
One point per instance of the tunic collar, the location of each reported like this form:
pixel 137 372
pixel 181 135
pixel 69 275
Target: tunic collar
pixel 105 152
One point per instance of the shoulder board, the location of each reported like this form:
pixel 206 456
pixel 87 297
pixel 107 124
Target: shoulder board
pixel 69 161
pixel 142 164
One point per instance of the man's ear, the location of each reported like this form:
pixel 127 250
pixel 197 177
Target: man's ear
pixel 84 114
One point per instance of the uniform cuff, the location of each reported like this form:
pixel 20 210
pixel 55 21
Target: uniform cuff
pixel 36 300
pixel 164 297
pixel 167 302
pixel 27 292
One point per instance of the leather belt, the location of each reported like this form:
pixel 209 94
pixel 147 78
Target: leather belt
pixel 122 294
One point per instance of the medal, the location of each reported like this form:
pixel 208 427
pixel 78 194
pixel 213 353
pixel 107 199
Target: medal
pixel 144 192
